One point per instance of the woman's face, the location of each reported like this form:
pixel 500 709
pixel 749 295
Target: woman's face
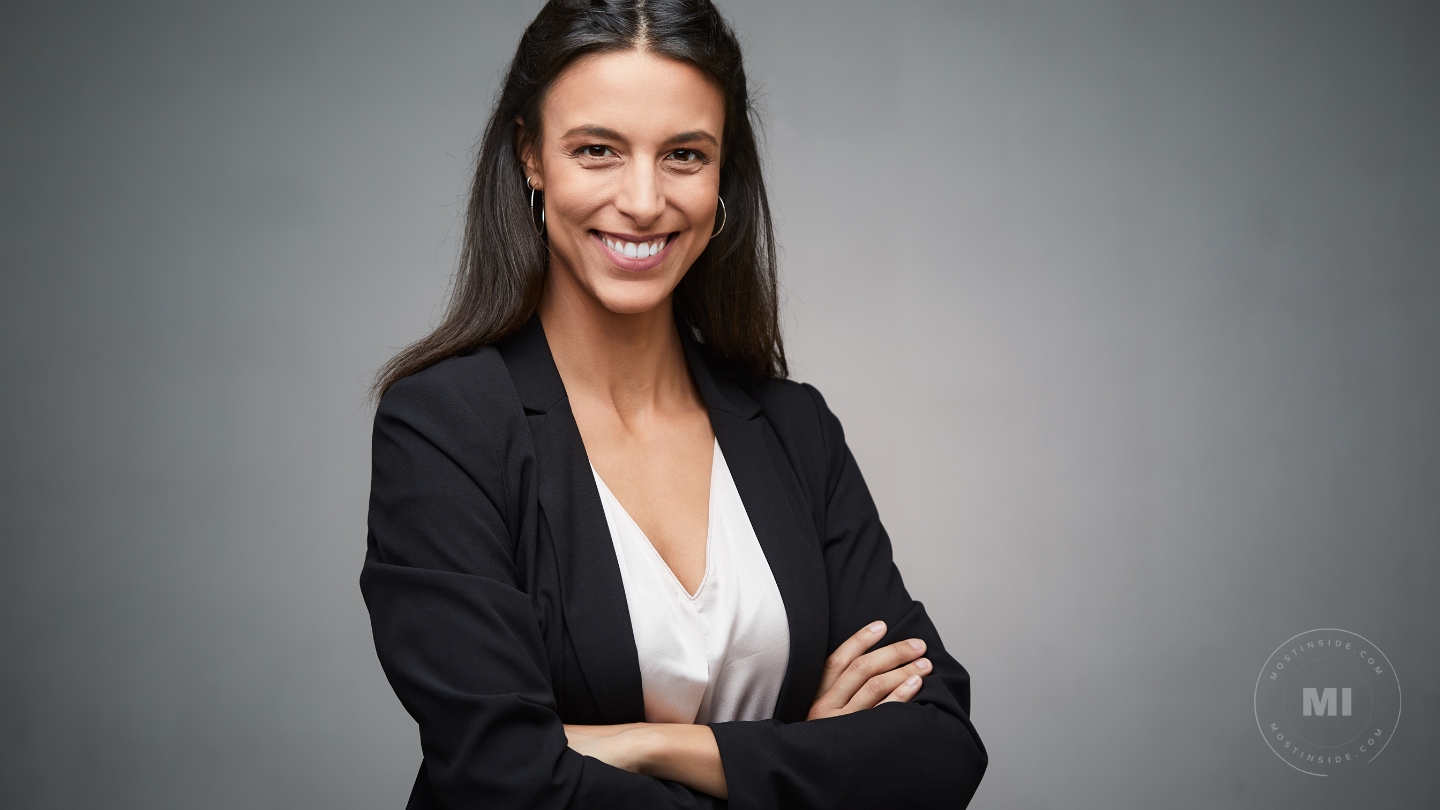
pixel 629 160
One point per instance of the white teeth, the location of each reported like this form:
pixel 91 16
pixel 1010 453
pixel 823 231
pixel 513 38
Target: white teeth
pixel 633 250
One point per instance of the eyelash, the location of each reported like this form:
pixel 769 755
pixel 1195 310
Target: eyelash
pixel 584 151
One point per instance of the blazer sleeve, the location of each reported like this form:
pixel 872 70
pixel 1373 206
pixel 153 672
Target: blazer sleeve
pixel 920 754
pixel 456 635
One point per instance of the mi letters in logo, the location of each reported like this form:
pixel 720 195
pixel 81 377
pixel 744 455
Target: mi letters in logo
pixel 1343 721
pixel 1317 701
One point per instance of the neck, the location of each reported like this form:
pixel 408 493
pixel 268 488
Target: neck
pixel 632 362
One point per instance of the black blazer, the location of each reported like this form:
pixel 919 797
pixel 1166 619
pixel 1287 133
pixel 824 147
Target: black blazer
pixel 499 614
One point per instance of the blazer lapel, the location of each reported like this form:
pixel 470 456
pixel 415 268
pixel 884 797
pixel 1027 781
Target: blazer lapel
pixel 771 493
pixel 592 594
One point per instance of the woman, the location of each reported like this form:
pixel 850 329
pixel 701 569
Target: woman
pixel 615 559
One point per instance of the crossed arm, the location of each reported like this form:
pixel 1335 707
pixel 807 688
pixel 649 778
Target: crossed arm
pixel 853 680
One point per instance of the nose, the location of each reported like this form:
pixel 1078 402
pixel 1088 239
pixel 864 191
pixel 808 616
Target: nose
pixel 640 197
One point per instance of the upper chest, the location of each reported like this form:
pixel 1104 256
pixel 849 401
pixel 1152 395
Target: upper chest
pixel 658 465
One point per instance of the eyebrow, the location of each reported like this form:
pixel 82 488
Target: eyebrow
pixel 594 132
pixel 693 135
pixel 604 132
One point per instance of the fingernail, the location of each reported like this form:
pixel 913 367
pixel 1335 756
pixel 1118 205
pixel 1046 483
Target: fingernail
pixel 913 681
pixel 917 644
pixel 877 627
pixel 922 664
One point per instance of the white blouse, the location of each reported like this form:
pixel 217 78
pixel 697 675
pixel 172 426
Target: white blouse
pixel 720 654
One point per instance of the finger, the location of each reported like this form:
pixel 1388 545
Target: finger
pixel 881 686
pixel 905 691
pixel 867 666
pixel 847 652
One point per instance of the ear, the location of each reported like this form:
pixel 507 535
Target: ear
pixel 529 154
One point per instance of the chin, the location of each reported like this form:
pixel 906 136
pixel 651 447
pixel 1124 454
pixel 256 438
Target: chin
pixel 633 306
pixel 633 301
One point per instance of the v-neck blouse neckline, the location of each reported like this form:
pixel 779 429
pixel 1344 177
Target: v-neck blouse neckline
pixel 608 495
pixel 721 653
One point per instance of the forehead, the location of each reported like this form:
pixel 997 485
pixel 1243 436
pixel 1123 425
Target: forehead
pixel 639 94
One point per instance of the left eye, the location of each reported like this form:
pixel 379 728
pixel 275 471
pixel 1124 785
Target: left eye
pixel 685 155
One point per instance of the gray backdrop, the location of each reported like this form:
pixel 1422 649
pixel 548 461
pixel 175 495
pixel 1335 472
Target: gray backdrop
pixel 1131 311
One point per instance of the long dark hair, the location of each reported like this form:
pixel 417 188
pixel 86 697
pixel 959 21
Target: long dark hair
pixel 728 298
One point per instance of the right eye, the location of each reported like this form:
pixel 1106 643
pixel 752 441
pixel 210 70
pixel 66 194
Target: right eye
pixel 596 151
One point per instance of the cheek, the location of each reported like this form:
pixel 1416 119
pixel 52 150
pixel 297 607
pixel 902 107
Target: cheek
pixel 571 202
pixel 698 202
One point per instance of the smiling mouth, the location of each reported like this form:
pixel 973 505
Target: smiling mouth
pixel 631 247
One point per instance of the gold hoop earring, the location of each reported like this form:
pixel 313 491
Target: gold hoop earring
pixel 724 217
pixel 539 229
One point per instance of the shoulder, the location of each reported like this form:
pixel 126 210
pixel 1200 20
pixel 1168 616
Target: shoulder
pixel 476 382
pixel 468 400
pixel 792 405
pixel 801 419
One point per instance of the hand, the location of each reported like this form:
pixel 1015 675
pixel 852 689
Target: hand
pixel 855 680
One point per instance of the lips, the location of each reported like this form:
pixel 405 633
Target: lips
pixel 632 252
